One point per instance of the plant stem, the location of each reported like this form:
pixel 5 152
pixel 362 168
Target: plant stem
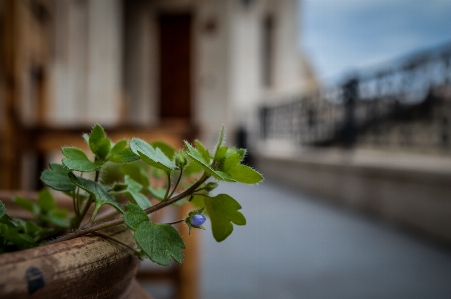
pixel 77 198
pixel 76 207
pixel 175 222
pixel 177 183
pixel 176 198
pixel 168 187
pixel 88 203
pixel 112 239
pixel 120 221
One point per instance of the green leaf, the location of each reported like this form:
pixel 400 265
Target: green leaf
pixel 28 227
pixel 133 193
pixel 45 201
pixel 160 242
pixel 120 153
pixel 242 152
pixel 99 194
pixel 221 153
pixel 245 174
pixel 26 204
pixel 192 167
pixel 62 213
pixel 134 215
pixel 2 209
pixel 77 160
pixel 99 143
pixel 203 151
pixel 152 156
pixel 22 241
pixel 86 138
pixel 119 187
pixel 223 211
pixel 231 161
pixel 4 218
pixel 157 193
pixel 168 150
pixel 56 217
pixel 196 156
pixel 221 140
pixel 57 178
pixel 137 173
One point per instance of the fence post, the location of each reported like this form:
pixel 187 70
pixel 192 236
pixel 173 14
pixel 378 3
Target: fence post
pixel 264 122
pixel 350 97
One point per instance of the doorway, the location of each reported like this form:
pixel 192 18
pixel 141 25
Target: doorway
pixel 175 66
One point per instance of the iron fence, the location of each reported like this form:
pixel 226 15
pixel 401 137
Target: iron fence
pixel 406 104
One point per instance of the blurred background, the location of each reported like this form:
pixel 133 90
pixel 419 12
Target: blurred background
pixel 345 107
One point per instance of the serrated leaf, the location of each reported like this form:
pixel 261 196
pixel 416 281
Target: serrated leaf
pixel 120 153
pixel 57 178
pixel 134 215
pixel 99 143
pixel 152 156
pixel 223 211
pixel 133 193
pixel 221 175
pixel 161 242
pixel 242 152
pixel 196 156
pixel 203 151
pixel 220 142
pixel 86 138
pixel 45 201
pixel 77 160
pixel 245 174
pixel 168 150
pixel 99 194
pixel 221 153
pixel 231 161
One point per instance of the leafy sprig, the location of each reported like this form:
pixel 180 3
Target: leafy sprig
pixel 191 174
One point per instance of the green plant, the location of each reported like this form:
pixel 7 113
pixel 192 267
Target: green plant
pixel 186 174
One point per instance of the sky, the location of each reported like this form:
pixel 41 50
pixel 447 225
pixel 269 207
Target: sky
pixel 339 36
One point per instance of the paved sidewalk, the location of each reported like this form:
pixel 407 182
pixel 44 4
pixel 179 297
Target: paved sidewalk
pixel 295 247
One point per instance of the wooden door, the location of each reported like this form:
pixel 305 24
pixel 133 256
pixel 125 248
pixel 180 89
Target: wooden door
pixel 175 66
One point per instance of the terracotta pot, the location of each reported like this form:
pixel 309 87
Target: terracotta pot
pixel 85 267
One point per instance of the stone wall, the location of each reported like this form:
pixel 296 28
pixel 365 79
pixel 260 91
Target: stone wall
pixel 413 191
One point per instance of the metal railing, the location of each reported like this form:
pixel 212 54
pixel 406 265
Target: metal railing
pixel 405 104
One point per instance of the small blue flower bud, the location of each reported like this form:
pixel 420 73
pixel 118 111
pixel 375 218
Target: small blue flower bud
pixel 197 219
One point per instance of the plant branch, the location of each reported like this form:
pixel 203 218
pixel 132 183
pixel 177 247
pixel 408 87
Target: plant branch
pixel 76 206
pixel 89 201
pixel 175 222
pixel 168 187
pixel 112 239
pixel 178 197
pixel 120 221
pixel 177 183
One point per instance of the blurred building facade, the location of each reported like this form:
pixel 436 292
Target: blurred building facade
pixel 143 62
